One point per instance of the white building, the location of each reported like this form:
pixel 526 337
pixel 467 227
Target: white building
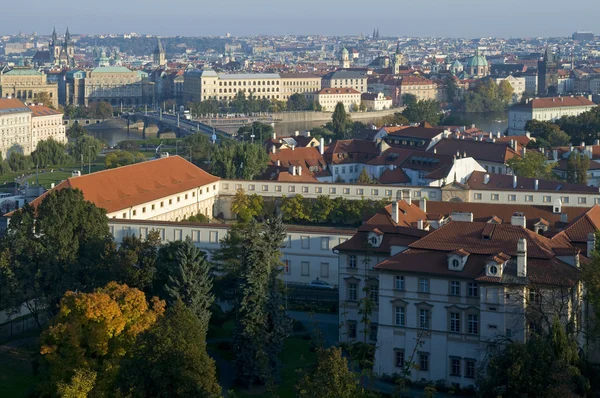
pixel 517 83
pixel 545 109
pixel 330 97
pixel 15 127
pixel 376 101
pixel 46 124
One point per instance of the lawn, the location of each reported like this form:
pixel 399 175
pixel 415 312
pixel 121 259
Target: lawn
pixel 16 374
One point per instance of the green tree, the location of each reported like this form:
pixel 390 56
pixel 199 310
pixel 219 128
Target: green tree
pixel 261 131
pixel 297 102
pixel 296 209
pixel 339 121
pixel 425 110
pixel 329 377
pixel 577 168
pixel 76 130
pixel 170 360
pixel 364 177
pixel 45 99
pixel 487 96
pixel 451 89
pixel 17 161
pixel 322 209
pixel 64 244
pixel 91 333
pixel 123 158
pixel 391 120
pixel 200 146
pixel 247 206
pixel 50 153
pixel 85 147
pixel 134 263
pixel 235 160
pixel 190 282
pixel 532 165
pixel 409 100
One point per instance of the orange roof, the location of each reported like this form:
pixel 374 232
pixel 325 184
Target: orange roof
pixel 555 102
pixel 12 104
pixel 339 91
pixel 41 110
pixel 132 185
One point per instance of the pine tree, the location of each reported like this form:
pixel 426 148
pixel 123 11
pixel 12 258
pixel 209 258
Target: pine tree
pixel 364 178
pixel 191 282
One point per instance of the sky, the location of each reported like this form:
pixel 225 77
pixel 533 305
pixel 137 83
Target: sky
pixel 440 18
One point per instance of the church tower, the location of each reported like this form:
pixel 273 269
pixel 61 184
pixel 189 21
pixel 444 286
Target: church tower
pixel 159 55
pixel 398 60
pixel 69 49
pixel 54 48
pixel 548 74
pixel 345 60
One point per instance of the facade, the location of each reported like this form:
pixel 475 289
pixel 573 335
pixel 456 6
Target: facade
pixel 307 253
pixel 397 61
pixel 15 127
pixel 478 66
pixel 26 84
pixel 46 124
pixel 330 97
pixel 517 83
pixel 118 85
pixel 298 83
pixel 423 89
pixel 345 59
pixel 159 55
pixel 548 74
pixel 74 87
pixel 545 109
pixel 376 102
pixel 345 79
pixel 62 54
pixel 203 84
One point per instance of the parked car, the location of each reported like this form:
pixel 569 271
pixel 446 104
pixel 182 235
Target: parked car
pixel 320 284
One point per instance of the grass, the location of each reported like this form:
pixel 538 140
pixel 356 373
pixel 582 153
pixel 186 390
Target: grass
pixel 16 373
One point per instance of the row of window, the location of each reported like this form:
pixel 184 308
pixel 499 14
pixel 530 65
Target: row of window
pixel 424 320
pixel 457 364
pixel 305 269
pixel 213 236
pixel 254 83
pixel 529 198
pixel 454 287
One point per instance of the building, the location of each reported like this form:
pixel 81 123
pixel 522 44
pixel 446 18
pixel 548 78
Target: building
pixel 167 189
pixel 545 109
pixel 464 286
pixel 548 74
pixel 26 84
pixel 345 79
pixel 518 85
pixel 62 54
pixel 15 127
pixel 345 59
pixel 398 60
pixel 74 87
pixel 376 101
pixel 203 84
pixel 422 88
pixel 46 124
pixel 298 83
pixel 118 85
pixel 330 97
pixel 583 36
pixel 478 66
pixel 159 55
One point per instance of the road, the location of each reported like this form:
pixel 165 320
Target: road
pixel 187 127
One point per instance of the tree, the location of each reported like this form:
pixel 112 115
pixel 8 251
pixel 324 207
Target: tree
pixel 170 360
pixel 296 208
pixel 391 120
pixel 409 100
pixel 329 377
pixel 297 102
pixel 339 121
pixel 200 146
pixel 17 161
pixel 532 165
pixel 590 276
pixel 190 282
pixel 45 99
pixel 424 110
pixel 50 153
pixel 577 168
pixel 261 131
pixel 247 206
pixel 364 177
pixel 92 332
pixel 85 147
pixel 235 160
pixel 102 110
pixel 123 158
pixel 547 134
pixel 62 245
pixel 451 89
pixel 76 130
pixel 134 262
pixel 487 96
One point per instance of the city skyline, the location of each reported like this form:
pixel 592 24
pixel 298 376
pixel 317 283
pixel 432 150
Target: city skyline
pixel 463 18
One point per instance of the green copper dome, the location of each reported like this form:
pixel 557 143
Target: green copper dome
pixel 477 61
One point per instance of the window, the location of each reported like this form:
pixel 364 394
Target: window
pixel 535 296
pixel 547 199
pixel 423 361
pixel 305 268
pixel 352 261
pixel 186 196
pixel 124 215
pixel 170 201
pixel 161 233
pixel 373 332
pixel 455 322
pixel 352 330
pixel 143 233
pixel 455 367
pixel 289 242
pixel 455 288
pixel 399 358
pixel 332 191
pixel 305 242
pixel 473 290
pixel 374 294
pixel 291 188
pixel 495 196
pixel 347 191
pixel 179 199
pixel 134 212
pixel 162 204
pixel 324 243
pixel 177 234
pixel 470 368
pixel 324 270
pixel 304 189
pixel 424 285
pixel 473 324
pixel 359 191
pixel 196 235
pixel 399 285
pixel 582 200
pixel 374 192
pixel 388 192
pixel 277 188
pixel 477 196
pixel 352 294
pixel 528 198
pixel 512 198
pixel 399 316
pixel 213 236
pixel 424 318
pixel 564 199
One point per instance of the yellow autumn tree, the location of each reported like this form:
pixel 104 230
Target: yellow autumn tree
pixel 90 335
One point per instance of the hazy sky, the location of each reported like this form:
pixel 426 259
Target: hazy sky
pixel 454 18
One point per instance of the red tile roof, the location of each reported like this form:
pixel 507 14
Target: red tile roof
pixel 41 110
pixel 132 185
pixel 555 102
pixel 505 182
pixel 12 103
pixel 346 90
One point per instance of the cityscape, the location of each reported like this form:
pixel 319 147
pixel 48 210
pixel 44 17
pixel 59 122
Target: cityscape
pixel 271 214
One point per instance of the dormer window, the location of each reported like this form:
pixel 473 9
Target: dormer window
pixel 493 270
pixel 375 238
pixel 455 263
pixel 457 260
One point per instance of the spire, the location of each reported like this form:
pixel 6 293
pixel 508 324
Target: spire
pixel 159 47
pixel 54 36
pixel 398 48
pixel 67 36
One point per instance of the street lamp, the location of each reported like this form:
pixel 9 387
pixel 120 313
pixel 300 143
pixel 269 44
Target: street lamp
pixel 252 135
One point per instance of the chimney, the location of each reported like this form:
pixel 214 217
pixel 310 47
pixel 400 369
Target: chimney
pixel 395 211
pixel 557 208
pixel 596 142
pixel 322 146
pixel 293 147
pixel 274 135
pixel 423 204
pixel 591 244
pixel 308 133
pixel 536 184
pixel 278 162
pixel 434 150
pixel 518 219
pixel 464 154
pixel 486 179
pixel 498 134
pixel 515 182
pixel 524 151
pixel 571 148
pixel 273 149
pixel 461 216
pixel 293 170
pixel 296 133
pixel 522 257
pixel 420 224
pixel 407 196
pixel 582 144
pixel 513 145
pixel 299 170
pixel 555 155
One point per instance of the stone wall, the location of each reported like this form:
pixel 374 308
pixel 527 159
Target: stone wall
pixel 308 116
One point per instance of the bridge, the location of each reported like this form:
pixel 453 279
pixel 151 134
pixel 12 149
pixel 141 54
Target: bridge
pixel 236 121
pixel 182 127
